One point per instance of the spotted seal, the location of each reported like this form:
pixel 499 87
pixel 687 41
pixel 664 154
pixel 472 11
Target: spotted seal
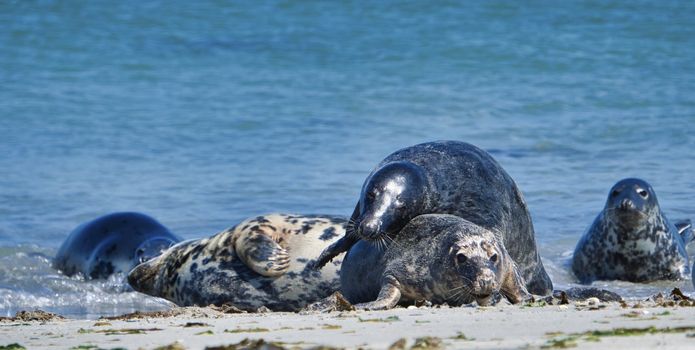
pixel 436 257
pixel 111 244
pixel 445 177
pixel 632 240
pixel 261 262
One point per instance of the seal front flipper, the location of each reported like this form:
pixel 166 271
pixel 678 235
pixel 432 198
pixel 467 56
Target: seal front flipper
pixel 340 246
pixel 513 286
pixel 389 295
pixel 262 254
pixel 685 229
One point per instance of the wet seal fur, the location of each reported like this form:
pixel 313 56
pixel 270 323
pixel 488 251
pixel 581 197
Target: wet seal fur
pixel 445 177
pixel 261 262
pixel 437 258
pixel 632 240
pixel 111 244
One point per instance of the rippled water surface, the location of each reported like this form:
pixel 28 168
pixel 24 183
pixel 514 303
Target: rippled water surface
pixel 206 112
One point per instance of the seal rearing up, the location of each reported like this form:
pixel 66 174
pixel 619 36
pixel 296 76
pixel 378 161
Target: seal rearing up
pixel 445 177
pixel 631 239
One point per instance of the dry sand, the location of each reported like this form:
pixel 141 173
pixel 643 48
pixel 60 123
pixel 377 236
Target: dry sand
pixel 579 324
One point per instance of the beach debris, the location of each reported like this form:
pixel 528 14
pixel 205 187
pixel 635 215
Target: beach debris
pixel 675 298
pixel 207 332
pixel 227 308
pixel 331 326
pixel 101 324
pixel 399 344
pixel 172 346
pixel 247 330
pixel 190 311
pixel 334 302
pixel 36 315
pixel 195 324
pixel 570 340
pixel 387 319
pixel 461 336
pixel 427 343
pixel 121 331
pixel 13 346
pixel 248 344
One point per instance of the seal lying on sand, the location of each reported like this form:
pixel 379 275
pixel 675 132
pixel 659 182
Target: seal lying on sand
pixel 436 257
pixel 111 244
pixel 632 240
pixel 260 262
pixel 445 177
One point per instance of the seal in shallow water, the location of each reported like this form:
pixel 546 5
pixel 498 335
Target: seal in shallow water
pixel 435 257
pixel 260 262
pixel 445 177
pixel 111 244
pixel 632 240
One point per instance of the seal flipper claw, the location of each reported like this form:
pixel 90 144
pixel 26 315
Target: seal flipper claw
pixel 685 229
pixel 389 295
pixel 264 256
pixel 340 246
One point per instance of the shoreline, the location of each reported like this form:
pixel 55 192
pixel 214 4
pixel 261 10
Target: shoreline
pixel 590 325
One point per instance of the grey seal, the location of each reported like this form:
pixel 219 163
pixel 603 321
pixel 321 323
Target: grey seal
pixel 445 177
pixel 631 239
pixel 261 262
pixel 111 244
pixel 436 257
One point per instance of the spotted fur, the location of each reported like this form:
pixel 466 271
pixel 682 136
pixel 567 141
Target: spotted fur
pixel 436 257
pixel 631 239
pixel 262 261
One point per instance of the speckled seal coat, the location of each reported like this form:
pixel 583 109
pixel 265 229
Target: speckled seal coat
pixel 436 257
pixel 113 243
pixel 446 177
pixel 260 262
pixel 632 240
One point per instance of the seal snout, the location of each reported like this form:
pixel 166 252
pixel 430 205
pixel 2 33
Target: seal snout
pixel 142 277
pixel 627 204
pixel 485 284
pixel 369 229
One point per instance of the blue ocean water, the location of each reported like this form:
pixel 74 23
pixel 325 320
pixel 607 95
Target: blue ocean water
pixel 202 113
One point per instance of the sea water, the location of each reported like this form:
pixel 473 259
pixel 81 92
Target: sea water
pixel 203 113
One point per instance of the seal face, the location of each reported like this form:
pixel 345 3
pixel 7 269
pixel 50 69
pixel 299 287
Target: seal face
pixel 436 257
pixel 632 240
pixel 111 244
pixel 261 262
pixel 445 177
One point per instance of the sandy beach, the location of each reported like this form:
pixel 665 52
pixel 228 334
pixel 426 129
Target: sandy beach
pixel 635 324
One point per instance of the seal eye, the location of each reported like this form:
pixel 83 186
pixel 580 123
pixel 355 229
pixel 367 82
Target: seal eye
pixel 643 193
pixel 461 258
pixel 493 258
pixel 615 193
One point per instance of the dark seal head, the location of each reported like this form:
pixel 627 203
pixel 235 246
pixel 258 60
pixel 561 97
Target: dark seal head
pixel 630 203
pixel 632 240
pixel 390 198
pixel 111 244
pixel 436 257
